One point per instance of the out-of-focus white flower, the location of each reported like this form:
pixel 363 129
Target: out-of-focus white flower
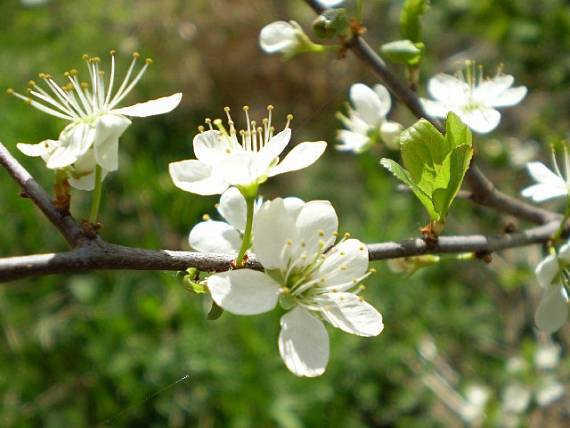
pixel 547 356
pixel 550 184
pixel 222 160
pixel 311 279
pixel 95 119
pixel 476 397
pixel 473 98
pixel 516 398
pixel 366 120
pixel 553 275
pixel 549 391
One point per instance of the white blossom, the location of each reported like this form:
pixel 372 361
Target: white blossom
pixel 550 184
pixel 96 121
pixel 279 37
pixel 330 3
pixel 222 160
pixel 553 275
pixel 314 281
pixel 472 98
pixel 366 119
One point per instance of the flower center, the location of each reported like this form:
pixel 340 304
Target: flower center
pixel 78 99
pixel 253 138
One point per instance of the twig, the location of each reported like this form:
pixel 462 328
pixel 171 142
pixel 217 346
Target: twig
pixel 484 192
pixel 30 188
pixel 104 256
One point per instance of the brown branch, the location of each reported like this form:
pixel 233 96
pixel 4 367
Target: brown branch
pixel 104 256
pixel 484 192
pixel 31 189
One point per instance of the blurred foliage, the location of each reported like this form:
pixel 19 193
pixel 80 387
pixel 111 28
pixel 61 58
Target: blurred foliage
pixel 135 349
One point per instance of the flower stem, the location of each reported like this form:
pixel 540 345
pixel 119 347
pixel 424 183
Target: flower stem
pixel 96 201
pixel 250 202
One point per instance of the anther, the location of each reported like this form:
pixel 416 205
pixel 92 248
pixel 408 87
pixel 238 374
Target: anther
pixel 32 83
pixel 148 61
pixel 28 101
pixel 10 91
pixel 112 52
pixel 289 242
pixel 346 235
pixel 245 108
pixel 73 72
pixel 201 129
pixel 205 217
pixel 372 270
pixel 321 233
pixel 136 55
pixel 85 57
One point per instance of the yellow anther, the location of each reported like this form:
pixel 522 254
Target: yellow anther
pixel 321 233
pixel 217 205
pixel 85 57
pixel 289 242
pixel 335 234
pixel 148 61
pixel 245 108
pixel 31 83
pixel 205 217
pixel 226 109
pixel 346 235
pixel 289 117
pixel 269 107
pixel 136 55
pixel 112 52
pixel 28 101
pixel 66 74
pixel 95 60
pixel 201 128
pixel 208 120
pixel 372 270
pixel 73 72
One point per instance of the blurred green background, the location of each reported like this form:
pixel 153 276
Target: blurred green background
pixel 115 348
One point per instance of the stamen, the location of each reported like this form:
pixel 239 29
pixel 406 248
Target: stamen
pixel 205 217
pixel 289 119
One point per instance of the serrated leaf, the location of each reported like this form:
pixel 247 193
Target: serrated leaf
pixel 410 25
pixel 434 165
pixel 404 176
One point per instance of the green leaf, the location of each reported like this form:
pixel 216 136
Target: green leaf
pixel 434 165
pixel 403 52
pixel 410 25
pixel 404 176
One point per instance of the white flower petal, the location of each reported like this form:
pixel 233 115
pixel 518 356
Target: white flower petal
pixel 242 169
pixel 197 177
pixel 273 148
pixel 215 237
pixel 303 343
pixel 316 226
pixel 384 98
pixel 75 140
pixel 83 177
pixel 108 130
pixel 211 147
pixel 300 157
pixel 367 104
pixel 510 97
pixel 543 192
pixel 352 314
pixel 542 174
pixel 41 149
pixel 488 90
pixel 550 391
pixel 352 141
pixel 547 270
pixel 244 291
pixel 279 36
pixel 233 208
pixel 390 133
pixel 153 107
pixel 344 263
pixel 330 3
pixel 448 89
pixel 481 120
pixel 435 108
pixel 552 312
pixel 274 225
